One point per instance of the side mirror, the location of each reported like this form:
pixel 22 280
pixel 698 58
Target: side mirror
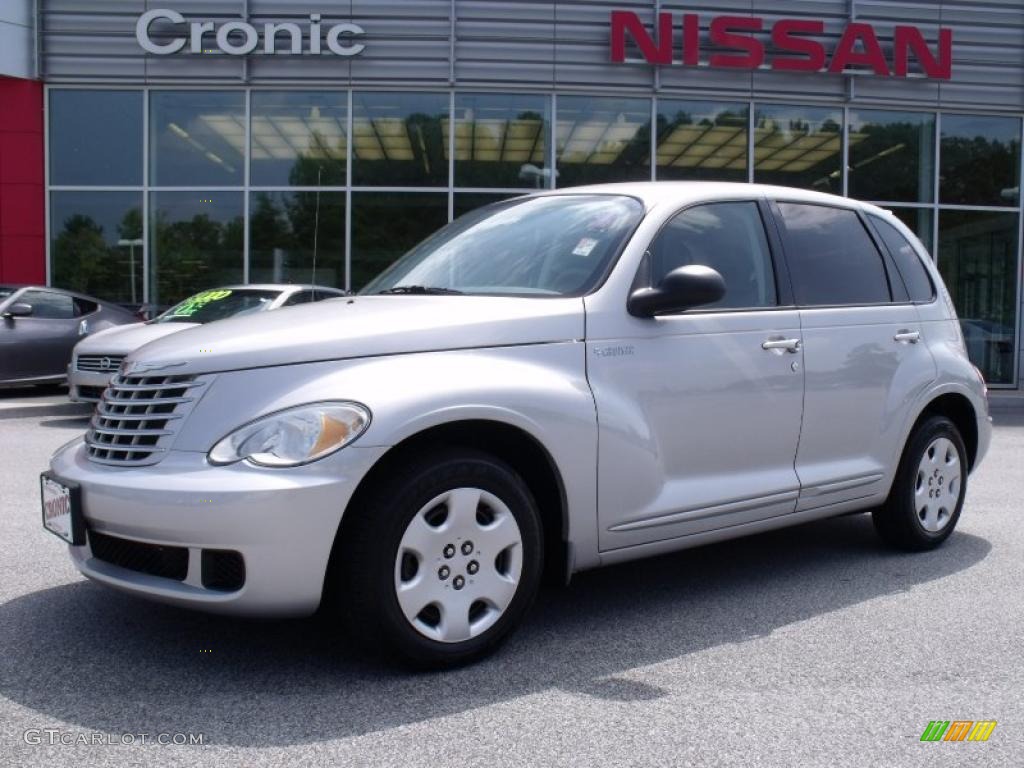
pixel 683 288
pixel 18 309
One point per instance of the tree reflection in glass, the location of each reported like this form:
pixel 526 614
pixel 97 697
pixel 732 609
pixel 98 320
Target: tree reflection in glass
pixel 96 244
pixel 798 146
pixel 701 140
pixel 978 262
pixel 979 160
pixel 398 139
pixel 283 231
pixel 196 242
pixel 892 156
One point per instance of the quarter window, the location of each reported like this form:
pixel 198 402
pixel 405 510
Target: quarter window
pixel 728 237
pixel 832 260
pixel 48 305
pixel 85 307
pixel 300 297
pixel 919 285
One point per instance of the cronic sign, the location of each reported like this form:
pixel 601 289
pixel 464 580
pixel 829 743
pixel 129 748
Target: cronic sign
pixel 240 38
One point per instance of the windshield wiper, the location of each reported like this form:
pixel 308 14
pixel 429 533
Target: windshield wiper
pixel 422 290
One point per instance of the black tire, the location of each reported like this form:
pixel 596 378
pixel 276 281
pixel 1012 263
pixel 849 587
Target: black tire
pixel 369 543
pixel 897 521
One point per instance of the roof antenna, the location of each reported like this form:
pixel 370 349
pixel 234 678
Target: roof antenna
pixel 316 229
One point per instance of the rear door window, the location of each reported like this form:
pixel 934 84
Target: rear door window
pixel 908 262
pixel 728 237
pixel 832 259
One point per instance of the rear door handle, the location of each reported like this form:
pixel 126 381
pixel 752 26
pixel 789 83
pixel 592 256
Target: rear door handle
pixel 789 345
pixel 907 337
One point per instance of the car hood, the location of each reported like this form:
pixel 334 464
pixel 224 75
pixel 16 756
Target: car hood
pixel 122 339
pixel 363 326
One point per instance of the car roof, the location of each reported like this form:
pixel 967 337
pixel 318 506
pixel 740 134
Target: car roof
pixel 654 193
pixel 76 294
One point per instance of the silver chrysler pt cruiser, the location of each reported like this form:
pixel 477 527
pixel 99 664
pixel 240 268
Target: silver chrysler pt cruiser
pixel 551 383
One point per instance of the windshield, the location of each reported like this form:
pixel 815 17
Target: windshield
pixel 557 245
pixel 207 306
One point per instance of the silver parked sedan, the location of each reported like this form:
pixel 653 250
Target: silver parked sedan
pixel 555 382
pixel 97 358
pixel 39 326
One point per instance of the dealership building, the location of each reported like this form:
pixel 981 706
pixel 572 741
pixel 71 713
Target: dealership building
pixel 151 149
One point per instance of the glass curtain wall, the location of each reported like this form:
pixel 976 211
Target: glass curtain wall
pixel 979 172
pixel 96 241
pixel 600 139
pixel 298 149
pixel 229 185
pixel 701 140
pixel 798 146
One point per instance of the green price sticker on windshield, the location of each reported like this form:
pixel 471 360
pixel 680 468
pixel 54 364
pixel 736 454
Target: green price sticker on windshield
pixel 193 304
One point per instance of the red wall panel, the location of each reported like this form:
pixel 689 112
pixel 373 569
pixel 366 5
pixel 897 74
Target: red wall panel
pixel 22 186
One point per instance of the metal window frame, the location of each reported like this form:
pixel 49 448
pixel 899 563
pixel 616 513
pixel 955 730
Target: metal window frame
pixel 246 183
pixel 146 299
pixel 1017 348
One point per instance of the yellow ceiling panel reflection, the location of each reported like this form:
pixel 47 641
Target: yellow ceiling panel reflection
pixel 597 138
pixel 700 150
pixel 705 145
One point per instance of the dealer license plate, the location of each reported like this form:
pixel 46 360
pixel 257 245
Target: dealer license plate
pixel 62 514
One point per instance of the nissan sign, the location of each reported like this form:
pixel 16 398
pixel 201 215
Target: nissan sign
pixel 737 43
pixel 239 38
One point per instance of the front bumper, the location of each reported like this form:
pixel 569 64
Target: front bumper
pixel 282 522
pixel 87 386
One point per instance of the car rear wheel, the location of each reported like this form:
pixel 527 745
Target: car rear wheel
pixel 442 562
pixel 928 492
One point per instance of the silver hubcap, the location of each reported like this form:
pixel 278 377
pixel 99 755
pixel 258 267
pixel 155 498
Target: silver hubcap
pixel 937 488
pixel 458 565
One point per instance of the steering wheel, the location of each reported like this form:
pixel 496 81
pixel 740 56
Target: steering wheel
pixel 570 277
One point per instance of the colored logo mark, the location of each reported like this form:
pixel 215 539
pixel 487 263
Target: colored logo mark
pixel 958 730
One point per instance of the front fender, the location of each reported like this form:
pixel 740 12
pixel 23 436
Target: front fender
pixel 539 388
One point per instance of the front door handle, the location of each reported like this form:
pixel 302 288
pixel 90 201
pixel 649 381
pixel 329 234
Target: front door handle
pixel 907 337
pixel 788 345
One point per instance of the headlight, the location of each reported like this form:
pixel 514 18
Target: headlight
pixel 294 436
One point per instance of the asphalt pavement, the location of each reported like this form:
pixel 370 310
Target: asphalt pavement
pixel 810 646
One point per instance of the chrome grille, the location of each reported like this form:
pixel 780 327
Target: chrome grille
pixel 137 417
pixel 99 363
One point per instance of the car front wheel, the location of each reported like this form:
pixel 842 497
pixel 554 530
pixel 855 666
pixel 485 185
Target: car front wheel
pixel 443 561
